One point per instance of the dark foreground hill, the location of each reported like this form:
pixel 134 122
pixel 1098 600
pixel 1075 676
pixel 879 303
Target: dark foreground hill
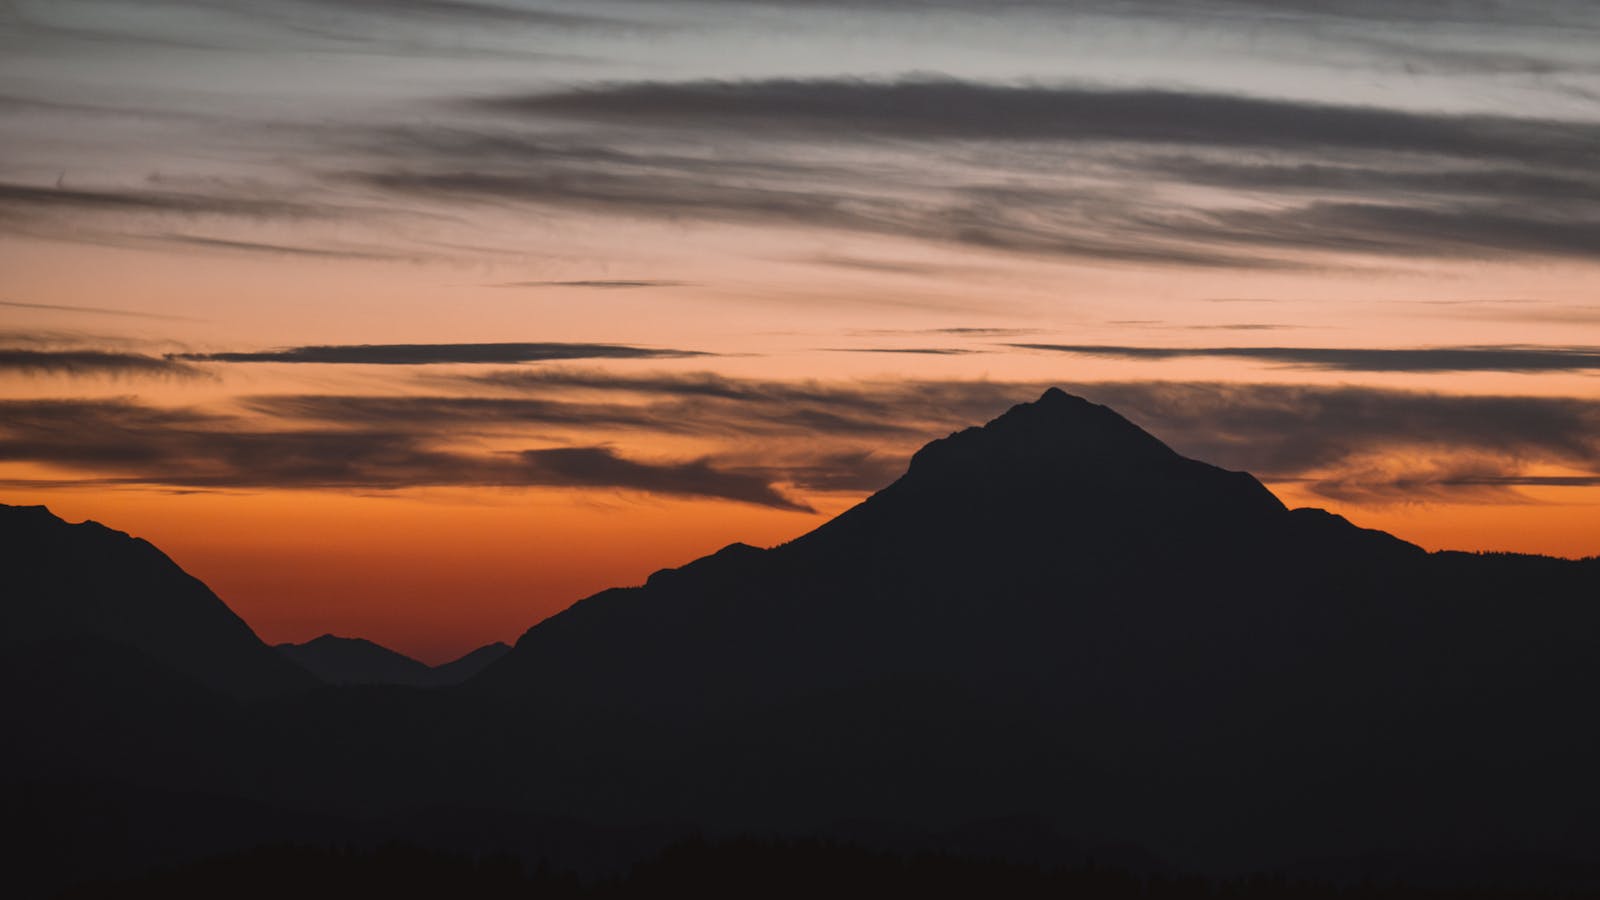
pixel 344 661
pixel 732 870
pixel 1052 616
pixel 66 582
pixel 1057 613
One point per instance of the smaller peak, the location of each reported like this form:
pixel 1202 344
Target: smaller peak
pixel 495 647
pixel 1057 395
pixel 39 513
pixel 331 638
pixel 1330 527
pixel 737 548
pixel 30 510
pixel 735 553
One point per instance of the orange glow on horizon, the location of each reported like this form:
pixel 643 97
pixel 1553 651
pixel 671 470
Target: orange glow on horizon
pixel 436 574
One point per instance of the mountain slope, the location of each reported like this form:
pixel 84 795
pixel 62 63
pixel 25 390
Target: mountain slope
pixel 1055 612
pixel 1056 515
pixel 68 581
pixel 341 660
pixel 468 666
pixel 1051 616
pixel 345 661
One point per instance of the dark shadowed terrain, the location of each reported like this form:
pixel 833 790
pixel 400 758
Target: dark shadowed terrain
pixel 1053 620
pixel 342 660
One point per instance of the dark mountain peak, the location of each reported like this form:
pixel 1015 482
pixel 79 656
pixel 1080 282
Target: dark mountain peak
pixel 87 582
pixel 330 639
pixel 350 660
pixel 1058 510
pixel 1057 475
pixel 737 555
pixel 343 660
pixel 39 514
pixel 1058 429
pixel 40 519
pixel 468 666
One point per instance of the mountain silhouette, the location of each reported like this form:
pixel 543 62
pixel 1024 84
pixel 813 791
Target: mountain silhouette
pixel 1053 616
pixel 86 582
pixel 1057 612
pixel 1051 524
pixel 342 661
pixel 467 666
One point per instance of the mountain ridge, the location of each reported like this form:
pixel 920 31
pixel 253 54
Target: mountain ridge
pixel 1028 436
pixel 351 661
pixel 1062 577
pixel 87 578
pixel 1053 615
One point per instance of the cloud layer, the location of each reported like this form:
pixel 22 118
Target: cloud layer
pixel 588 429
pixel 1071 171
pixel 430 354
pixel 948 109
pixel 89 362
pixel 1050 155
pixel 123 442
pixel 1510 358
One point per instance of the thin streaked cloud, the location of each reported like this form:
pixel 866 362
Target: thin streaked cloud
pixel 1505 358
pixel 434 354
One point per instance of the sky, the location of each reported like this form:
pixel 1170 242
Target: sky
pixel 419 320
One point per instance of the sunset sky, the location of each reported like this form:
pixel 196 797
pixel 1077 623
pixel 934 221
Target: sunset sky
pixel 419 320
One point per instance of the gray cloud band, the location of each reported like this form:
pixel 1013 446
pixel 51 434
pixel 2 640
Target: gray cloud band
pixel 426 354
pixel 1508 358
pixel 1080 173
pixel 1339 441
pixel 949 109
pixel 123 442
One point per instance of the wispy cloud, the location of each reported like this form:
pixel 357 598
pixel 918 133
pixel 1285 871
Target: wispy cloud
pixel 439 28
pixel 16 198
pixel 958 332
pixel 197 213
pixel 601 467
pixel 1089 166
pixel 599 285
pixel 1376 178
pixel 214 243
pixel 1500 13
pixel 1024 222
pixel 1308 180
pixel 1328 437
pixel 1388 228
pixel 1499 358
pixel 94 310
pixel 90 362
pixel 689 408
pixel 125 442
pixel 454 12
pixel 913 351
pixel 479 415
pixel 1356 444
pixel 429 354
pixel 1363 444
pixel 1338 180
pixel 949 109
